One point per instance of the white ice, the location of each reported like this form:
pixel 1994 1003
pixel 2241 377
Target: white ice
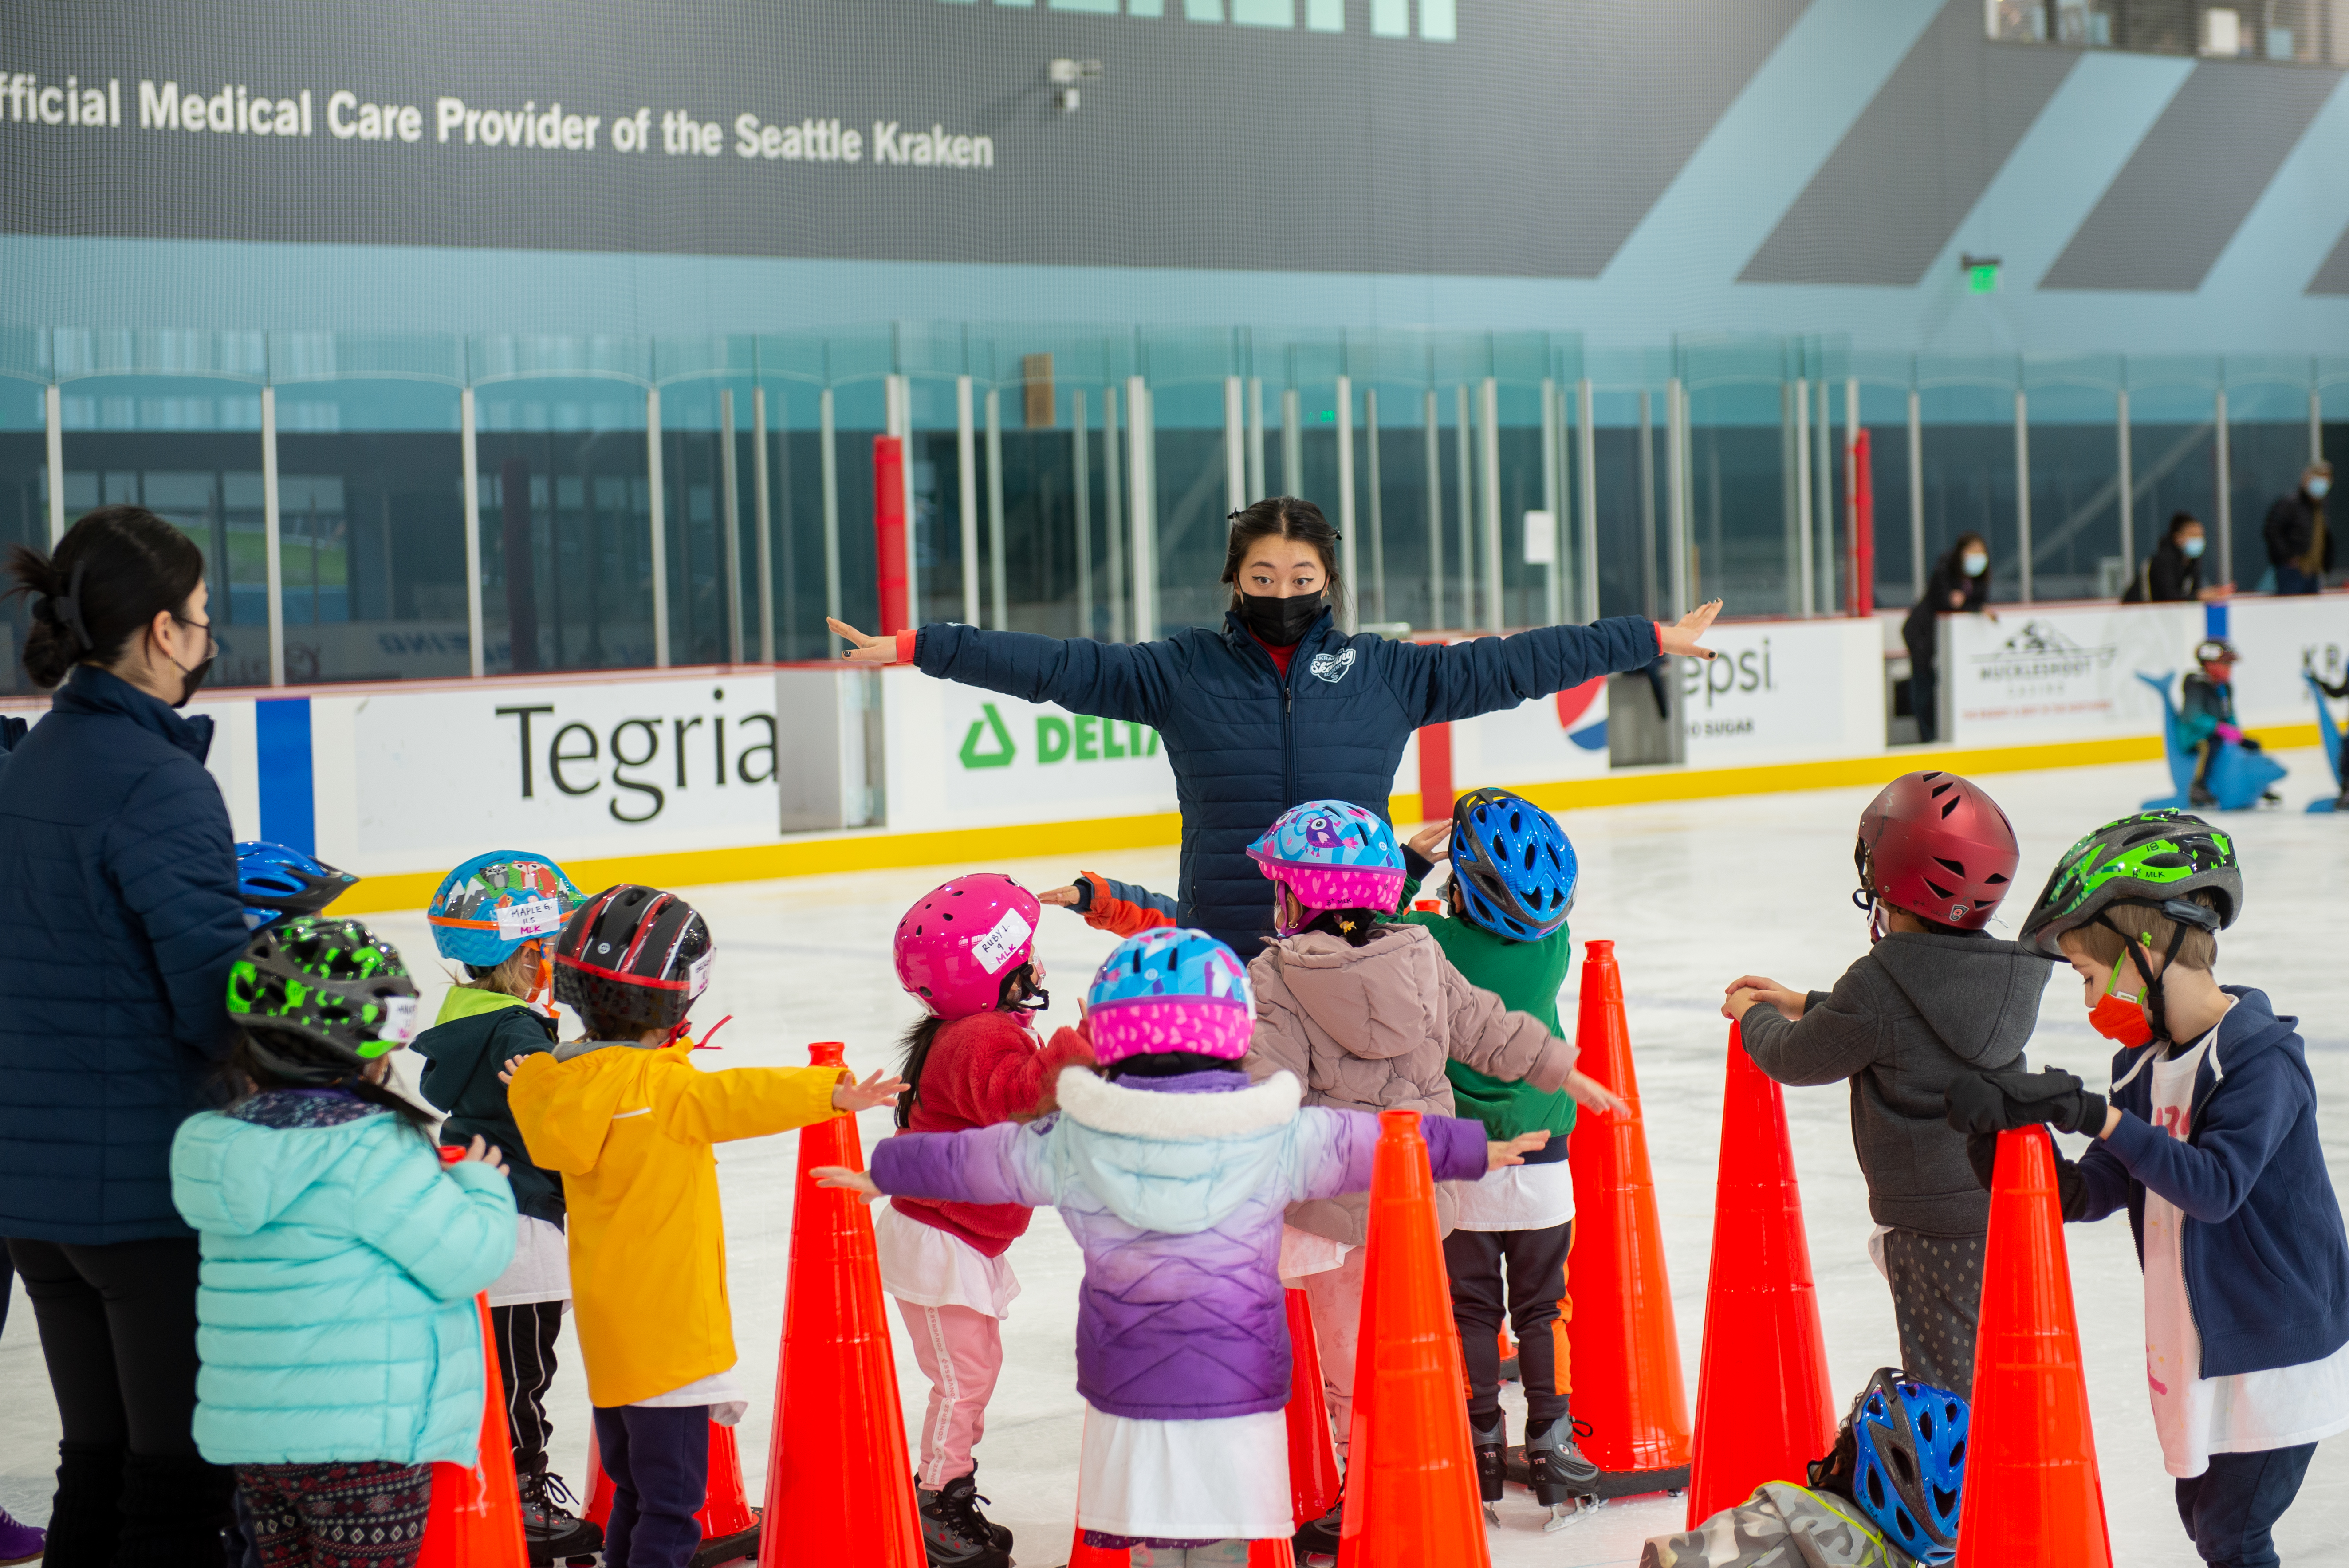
pixel 1695 893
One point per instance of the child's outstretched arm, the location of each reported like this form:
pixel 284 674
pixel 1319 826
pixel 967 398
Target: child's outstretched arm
pixel 1834 1037
pixel 452 1229
pixel 1128 909
pixel 1331 1154
pixel 1487 1036
pixel 1006 1163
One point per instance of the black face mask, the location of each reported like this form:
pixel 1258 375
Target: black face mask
pixel 195 679
pixel 1280 622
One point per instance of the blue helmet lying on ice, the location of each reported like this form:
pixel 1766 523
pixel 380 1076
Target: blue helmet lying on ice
pixel 1172 989
pixel 488 908
pixel 1909 1443
pixel 1513 867
pixel 277 882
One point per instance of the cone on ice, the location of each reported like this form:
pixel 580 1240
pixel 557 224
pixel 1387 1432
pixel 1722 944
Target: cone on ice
pixel 1625 1347
pixel 2033 1493
pixel 1765 1405
pixel 476 1516
pixel 1312 1461
pixel 837 1468
pixel 1410 1491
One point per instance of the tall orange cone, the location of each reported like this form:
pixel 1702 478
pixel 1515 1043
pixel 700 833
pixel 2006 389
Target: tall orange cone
pixel 1312 1461
pixel 2033 1493
pixel 730 1525
pixel 476 1516
pixel 1626 1349
pixel 1410 1493
pixel 837 1468
pixel 1762 1335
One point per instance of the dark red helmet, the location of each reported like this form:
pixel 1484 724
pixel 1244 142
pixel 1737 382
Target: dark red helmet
pixel 633 958
pixel 1938 846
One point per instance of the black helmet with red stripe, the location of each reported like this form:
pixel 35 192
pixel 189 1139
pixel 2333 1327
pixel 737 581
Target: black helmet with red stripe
pixel 632 959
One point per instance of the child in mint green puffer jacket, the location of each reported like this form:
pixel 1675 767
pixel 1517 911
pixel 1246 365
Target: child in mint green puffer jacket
pixel 336 1321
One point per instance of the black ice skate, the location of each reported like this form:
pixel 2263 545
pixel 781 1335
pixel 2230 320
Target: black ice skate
pixel 1562 1478
pixel 1317 1539
pixel 1488 1442
pixel 955 1534
pixel 550 1532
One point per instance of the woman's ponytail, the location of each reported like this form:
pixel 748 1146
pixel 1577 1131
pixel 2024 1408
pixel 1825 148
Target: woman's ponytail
pixel 112 574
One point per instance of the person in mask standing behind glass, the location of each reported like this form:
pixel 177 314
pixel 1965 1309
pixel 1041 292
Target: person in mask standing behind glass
pixel 1277 706
pixel 2300 547
pixel 1960 585
pixel 2172 575
pixel 119 920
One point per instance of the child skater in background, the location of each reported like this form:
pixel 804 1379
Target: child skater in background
pixel 629 1122
pixel 492 914
pixel 1366 1013
pixel 1933 998
pixel 1502 927
pixel 2209 1139
pixel 1171 1170
pixel 966 953
pixel 335 1323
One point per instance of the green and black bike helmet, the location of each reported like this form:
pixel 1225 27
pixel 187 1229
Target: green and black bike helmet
pixel 2154 859
pixel 321 998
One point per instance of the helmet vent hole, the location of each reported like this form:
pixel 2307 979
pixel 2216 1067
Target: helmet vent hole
pixel 1939 891
pixel 1958 1455
pixel 1995 879
pixel 1925 1424
pixel 1945 1503
pixel 1948 806
pixel 1956 868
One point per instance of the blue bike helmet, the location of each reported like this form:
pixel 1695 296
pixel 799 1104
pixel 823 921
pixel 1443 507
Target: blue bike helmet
pixel 488 908
pixel 278 883
pixel 1513 869
pixel 1170 989
pixel 1909 1463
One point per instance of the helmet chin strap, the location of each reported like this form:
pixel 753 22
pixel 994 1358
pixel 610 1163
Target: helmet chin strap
pixel 2156 1012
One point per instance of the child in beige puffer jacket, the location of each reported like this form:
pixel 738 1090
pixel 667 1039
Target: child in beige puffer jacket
pixel 1366 1013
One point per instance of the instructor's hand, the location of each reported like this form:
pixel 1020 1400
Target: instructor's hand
pixel 868 650
pixel 1680 639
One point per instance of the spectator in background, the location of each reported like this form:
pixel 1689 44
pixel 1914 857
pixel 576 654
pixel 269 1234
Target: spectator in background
pixel 1960 585
pixel 2299 546
pixel 2172 575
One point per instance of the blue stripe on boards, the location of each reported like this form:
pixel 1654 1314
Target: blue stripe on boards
pixel 282 749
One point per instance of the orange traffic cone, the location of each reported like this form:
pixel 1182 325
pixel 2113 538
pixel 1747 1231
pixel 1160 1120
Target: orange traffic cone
pixel 1625 1350
pixel 476 1517
pixel 2033 1493
pixel 1411 1495
pixel 837 1467
pixel 1312 1461
pixel 730 1525
pixel 1761 1311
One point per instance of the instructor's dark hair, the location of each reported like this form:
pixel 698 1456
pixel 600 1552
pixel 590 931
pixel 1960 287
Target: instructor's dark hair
pixel 112 574
pixel 1285 517
pixel 2178 520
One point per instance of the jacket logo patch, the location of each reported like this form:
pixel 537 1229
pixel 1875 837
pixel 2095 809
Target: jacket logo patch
pixel 1332 667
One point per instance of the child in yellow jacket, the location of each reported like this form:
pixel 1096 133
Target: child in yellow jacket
pixel 629 1122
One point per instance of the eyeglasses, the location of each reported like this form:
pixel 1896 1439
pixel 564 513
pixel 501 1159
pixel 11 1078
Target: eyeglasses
pixel 211 642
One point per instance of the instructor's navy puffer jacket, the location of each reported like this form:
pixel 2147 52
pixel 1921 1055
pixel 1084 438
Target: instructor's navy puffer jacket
pixel 1246 744
pixel 119 921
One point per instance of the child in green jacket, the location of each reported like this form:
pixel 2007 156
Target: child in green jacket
pixel 1503 925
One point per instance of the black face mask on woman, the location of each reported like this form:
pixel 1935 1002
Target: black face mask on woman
pixel 1280 622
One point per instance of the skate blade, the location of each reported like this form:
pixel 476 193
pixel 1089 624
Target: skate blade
pixel 1491 1517
pixel 1565 1515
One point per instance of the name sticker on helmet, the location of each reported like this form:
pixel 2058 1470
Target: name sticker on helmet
pixel 530 918
pixel 399 1018
pixel 994 950
pixel 696 979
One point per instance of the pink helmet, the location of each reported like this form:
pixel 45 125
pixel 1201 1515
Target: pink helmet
pixel 957 943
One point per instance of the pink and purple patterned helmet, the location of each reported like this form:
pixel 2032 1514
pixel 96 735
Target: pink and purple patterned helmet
pixel 1172 989
pixel 954 946
pixel 1333 854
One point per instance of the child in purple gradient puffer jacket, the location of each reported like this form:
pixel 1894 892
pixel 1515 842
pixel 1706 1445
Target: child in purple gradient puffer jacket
pixel 1172 1171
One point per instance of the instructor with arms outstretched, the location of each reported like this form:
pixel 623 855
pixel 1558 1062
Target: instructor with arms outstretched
pixel 1278 707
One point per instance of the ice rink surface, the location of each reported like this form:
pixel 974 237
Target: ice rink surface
pixel 1694 894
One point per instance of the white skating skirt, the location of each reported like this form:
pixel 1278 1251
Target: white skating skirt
pixel 1185 1481
pixel 926 1266
pixel 541 1270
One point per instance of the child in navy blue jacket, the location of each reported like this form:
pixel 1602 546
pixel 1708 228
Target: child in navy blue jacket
pixel 2208 1139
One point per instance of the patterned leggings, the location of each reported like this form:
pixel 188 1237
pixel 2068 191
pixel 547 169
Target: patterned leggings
pixel 356 1515
pixel 1936 1302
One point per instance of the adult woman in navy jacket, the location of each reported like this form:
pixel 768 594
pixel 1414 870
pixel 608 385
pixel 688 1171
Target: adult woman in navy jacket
pixel 119 921
pixel 1278 707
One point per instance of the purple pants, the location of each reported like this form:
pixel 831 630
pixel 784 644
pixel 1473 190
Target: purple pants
pixel 659 1464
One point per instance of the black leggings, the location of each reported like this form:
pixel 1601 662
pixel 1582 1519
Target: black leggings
pixel 1534 1300
pixel 525 1336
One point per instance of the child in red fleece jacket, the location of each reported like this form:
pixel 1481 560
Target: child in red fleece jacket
pixel 966 953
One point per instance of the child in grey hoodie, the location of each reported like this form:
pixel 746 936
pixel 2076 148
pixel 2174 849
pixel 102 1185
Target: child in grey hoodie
pixel 1933 1000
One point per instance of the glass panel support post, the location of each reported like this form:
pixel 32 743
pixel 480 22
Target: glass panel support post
pixel 1292 444
pixel 2226 483
pixel 1435 601
pixel 1586 478
pixel 1464 463
pixel 1141 471
pixel 999 612
pixel 2315 424
pixel 1807 604
pixel 2023 490
pixel 1080 471
pixel 1553 582
pixel 828 456
pixel 1254 437
pixel 1823 553
pixel 966 498
pixel 729 492
pixel 470 453
pixel 1916 495
pixel 2124 479
pixel 1235 446
pixel 1348 554
pixel 762 505
pixel 1851 429
pixel 1114 514
pixel 271 536
pixel 1377 509
pixel 656 486
pixel 53 406
pixel 1648 604
pixel 1677 508
pixel 1488 419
